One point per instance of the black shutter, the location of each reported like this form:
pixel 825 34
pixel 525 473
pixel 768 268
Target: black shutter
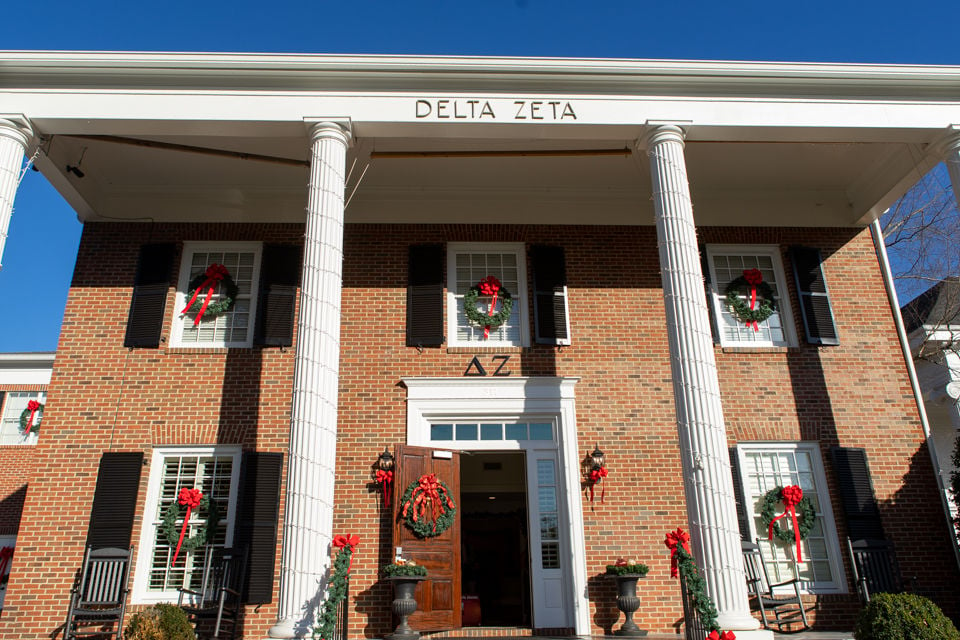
pixel 115 499
pixel 279 274
pixel 743 519
pixel 257 517
pixel 145 320
pixel 707 288
pixel 856 493
pixel 425 296
pixel 550 294
pixel 814 297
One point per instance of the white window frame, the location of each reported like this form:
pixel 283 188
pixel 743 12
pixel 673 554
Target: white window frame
pixel 31 438
pixel 141 578
pixel 521 298
pixel 783 301
pixel 828 523
pixel 183 281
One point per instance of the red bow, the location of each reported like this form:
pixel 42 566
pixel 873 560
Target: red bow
pixel 791 497
pixel 596 477
pixel 351 542
pixel 385 480
pixel 675 539
pixel 33 406
pixel 489 286
pixel 190 498
pixel 753 278
pixel 214 274
pixel 6 555
pixel 726 635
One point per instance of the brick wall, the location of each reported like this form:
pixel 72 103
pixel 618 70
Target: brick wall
pixel 105 397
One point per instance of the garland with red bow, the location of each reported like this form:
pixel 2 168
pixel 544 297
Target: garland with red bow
pixel 681 562
pixel 800 509
pixel 6 556
pixel 426 506
pixel 214 276
pixel 327 620
pixel 30 418
pixel 595 477
pixel 749 285
pixel 385 480
pixel 489 286
pixel 176 536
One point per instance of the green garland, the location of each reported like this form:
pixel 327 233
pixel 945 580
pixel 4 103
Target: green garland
pixel 422 527
pixel 739 307
pixel 806 516
pixel 627 569
pixel 35 427
pixel 404 571
pixel 481 319
pixel 697 587
pixel 171 532
pixel 327 620
pixel 228 296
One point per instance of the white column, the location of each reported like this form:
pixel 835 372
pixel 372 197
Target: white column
pixel 15 135
pixel 308 519
pixel 952 159
pixel 708 485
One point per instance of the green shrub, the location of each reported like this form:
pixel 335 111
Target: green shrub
pixel 625 569
pixel 405 570
pixel 903 616
pixel 160 622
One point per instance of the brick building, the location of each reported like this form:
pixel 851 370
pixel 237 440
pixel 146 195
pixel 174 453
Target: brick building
pixel 571 182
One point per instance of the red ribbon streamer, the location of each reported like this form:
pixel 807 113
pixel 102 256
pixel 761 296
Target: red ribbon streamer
pixel 190 498
pixel 753 278
pixel 214 273
pixel 489 286
pixel 6 555
pixel 596 477
pixel 426 493
pixel 33 406
pixel 339 542
pixel 385 480
pixel 791 497
pixel 674 539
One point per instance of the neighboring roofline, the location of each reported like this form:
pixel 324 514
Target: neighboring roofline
pixel 594 75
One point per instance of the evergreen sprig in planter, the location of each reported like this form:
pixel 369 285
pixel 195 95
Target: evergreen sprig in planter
pixel 626 574
pixel 405 576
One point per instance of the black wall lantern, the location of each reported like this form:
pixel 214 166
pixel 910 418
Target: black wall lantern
pixel 384 474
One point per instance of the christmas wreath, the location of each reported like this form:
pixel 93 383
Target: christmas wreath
pixel 30 418
pixel 174 535
pixel 796 505
pixel 426 506
pixel 215 274
pixel 749 285
pixel 489 286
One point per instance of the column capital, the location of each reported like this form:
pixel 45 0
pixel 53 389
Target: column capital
pixel 948 142
pixel 333 128
pixel 658 131
pixel 16 127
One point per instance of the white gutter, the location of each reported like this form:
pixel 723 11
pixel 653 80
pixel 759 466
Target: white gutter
pixel 881 249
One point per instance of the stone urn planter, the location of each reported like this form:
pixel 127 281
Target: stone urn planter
pixel 404 604
pixel 627 600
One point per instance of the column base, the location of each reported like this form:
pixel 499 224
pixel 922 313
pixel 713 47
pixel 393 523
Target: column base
pixel 284 629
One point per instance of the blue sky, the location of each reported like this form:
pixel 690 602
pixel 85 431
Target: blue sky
pixel 44 232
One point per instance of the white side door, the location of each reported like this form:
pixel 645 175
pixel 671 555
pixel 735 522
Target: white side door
pixel 547 555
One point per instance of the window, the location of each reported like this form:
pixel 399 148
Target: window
pixel 487 431
pixel 7 543
pixel 14 403
pixel 215 471
pixel 728 263
pixel 467 265
pixel 233 328
pixel 764 466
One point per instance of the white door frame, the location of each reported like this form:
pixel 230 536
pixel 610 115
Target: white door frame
pixel 431 400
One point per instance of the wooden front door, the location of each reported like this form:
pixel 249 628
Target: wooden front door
pixel 438 597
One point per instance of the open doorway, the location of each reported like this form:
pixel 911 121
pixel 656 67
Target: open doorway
pixel 494 540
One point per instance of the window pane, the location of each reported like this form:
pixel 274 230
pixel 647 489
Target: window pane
pixel 491 432
pixel 541 431
pixel 230 326
pixel 14 405
pixel 470 269
pixel 516 432
pixel 441 432
pixel 730 267
pixel 466 432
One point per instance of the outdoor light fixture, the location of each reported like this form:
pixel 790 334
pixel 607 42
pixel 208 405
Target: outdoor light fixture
pixel 385 461
pixel 598 458
pixel 75 170
pixel 384 475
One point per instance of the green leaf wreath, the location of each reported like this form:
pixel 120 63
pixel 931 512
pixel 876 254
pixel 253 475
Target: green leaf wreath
pixel 770 508
pixel 441 518
pixel 739 289
pixel 204 535
pixel 25 416
pixel 225 302
pixel 327 620
pixel 481 319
